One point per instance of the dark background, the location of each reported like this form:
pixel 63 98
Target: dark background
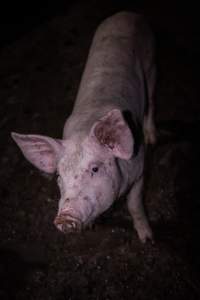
pixel 43 50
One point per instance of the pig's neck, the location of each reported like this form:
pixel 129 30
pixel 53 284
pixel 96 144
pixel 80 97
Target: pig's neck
pixel 131 170
pixel 80 122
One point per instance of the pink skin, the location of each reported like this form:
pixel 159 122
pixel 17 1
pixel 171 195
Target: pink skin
pixel 88 193
pixel 89 188
pixel 89 177
pixel 100 157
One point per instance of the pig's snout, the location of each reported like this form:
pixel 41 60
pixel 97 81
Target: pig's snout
pixel 66 223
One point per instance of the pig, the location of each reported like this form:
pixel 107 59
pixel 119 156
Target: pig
pixel 101 155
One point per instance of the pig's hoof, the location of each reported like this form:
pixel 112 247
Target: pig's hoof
pixel 150 137
pixel 150 132
pixel 146 234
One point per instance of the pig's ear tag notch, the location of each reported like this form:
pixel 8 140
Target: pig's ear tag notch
pixel 42 151
pixel 112 132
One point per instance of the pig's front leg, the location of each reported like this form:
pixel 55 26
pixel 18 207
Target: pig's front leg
pixel 136 209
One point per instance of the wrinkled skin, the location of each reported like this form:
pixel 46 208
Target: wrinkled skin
pixel 100 156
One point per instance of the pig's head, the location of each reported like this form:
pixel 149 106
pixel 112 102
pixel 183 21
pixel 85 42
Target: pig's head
pixel 89 176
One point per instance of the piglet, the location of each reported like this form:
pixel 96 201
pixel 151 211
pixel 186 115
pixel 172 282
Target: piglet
pixel 101 155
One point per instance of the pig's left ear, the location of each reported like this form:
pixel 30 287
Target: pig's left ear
pixel 113 132
pixel 42 151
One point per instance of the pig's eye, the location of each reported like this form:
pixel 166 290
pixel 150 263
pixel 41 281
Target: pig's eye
pixel 95 169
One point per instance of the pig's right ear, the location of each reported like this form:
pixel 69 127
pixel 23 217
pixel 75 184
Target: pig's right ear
pixel 114 134
pixel 42 151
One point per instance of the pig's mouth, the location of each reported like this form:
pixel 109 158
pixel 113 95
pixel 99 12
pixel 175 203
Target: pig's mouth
pixel 67 223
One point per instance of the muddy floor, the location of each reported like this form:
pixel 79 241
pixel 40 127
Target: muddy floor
pixel 39 77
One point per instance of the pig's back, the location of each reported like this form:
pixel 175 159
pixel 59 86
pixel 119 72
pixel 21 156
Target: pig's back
pixel 114 72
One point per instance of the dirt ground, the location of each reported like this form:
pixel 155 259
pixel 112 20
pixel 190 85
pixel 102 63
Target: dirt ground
pixel 39 78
